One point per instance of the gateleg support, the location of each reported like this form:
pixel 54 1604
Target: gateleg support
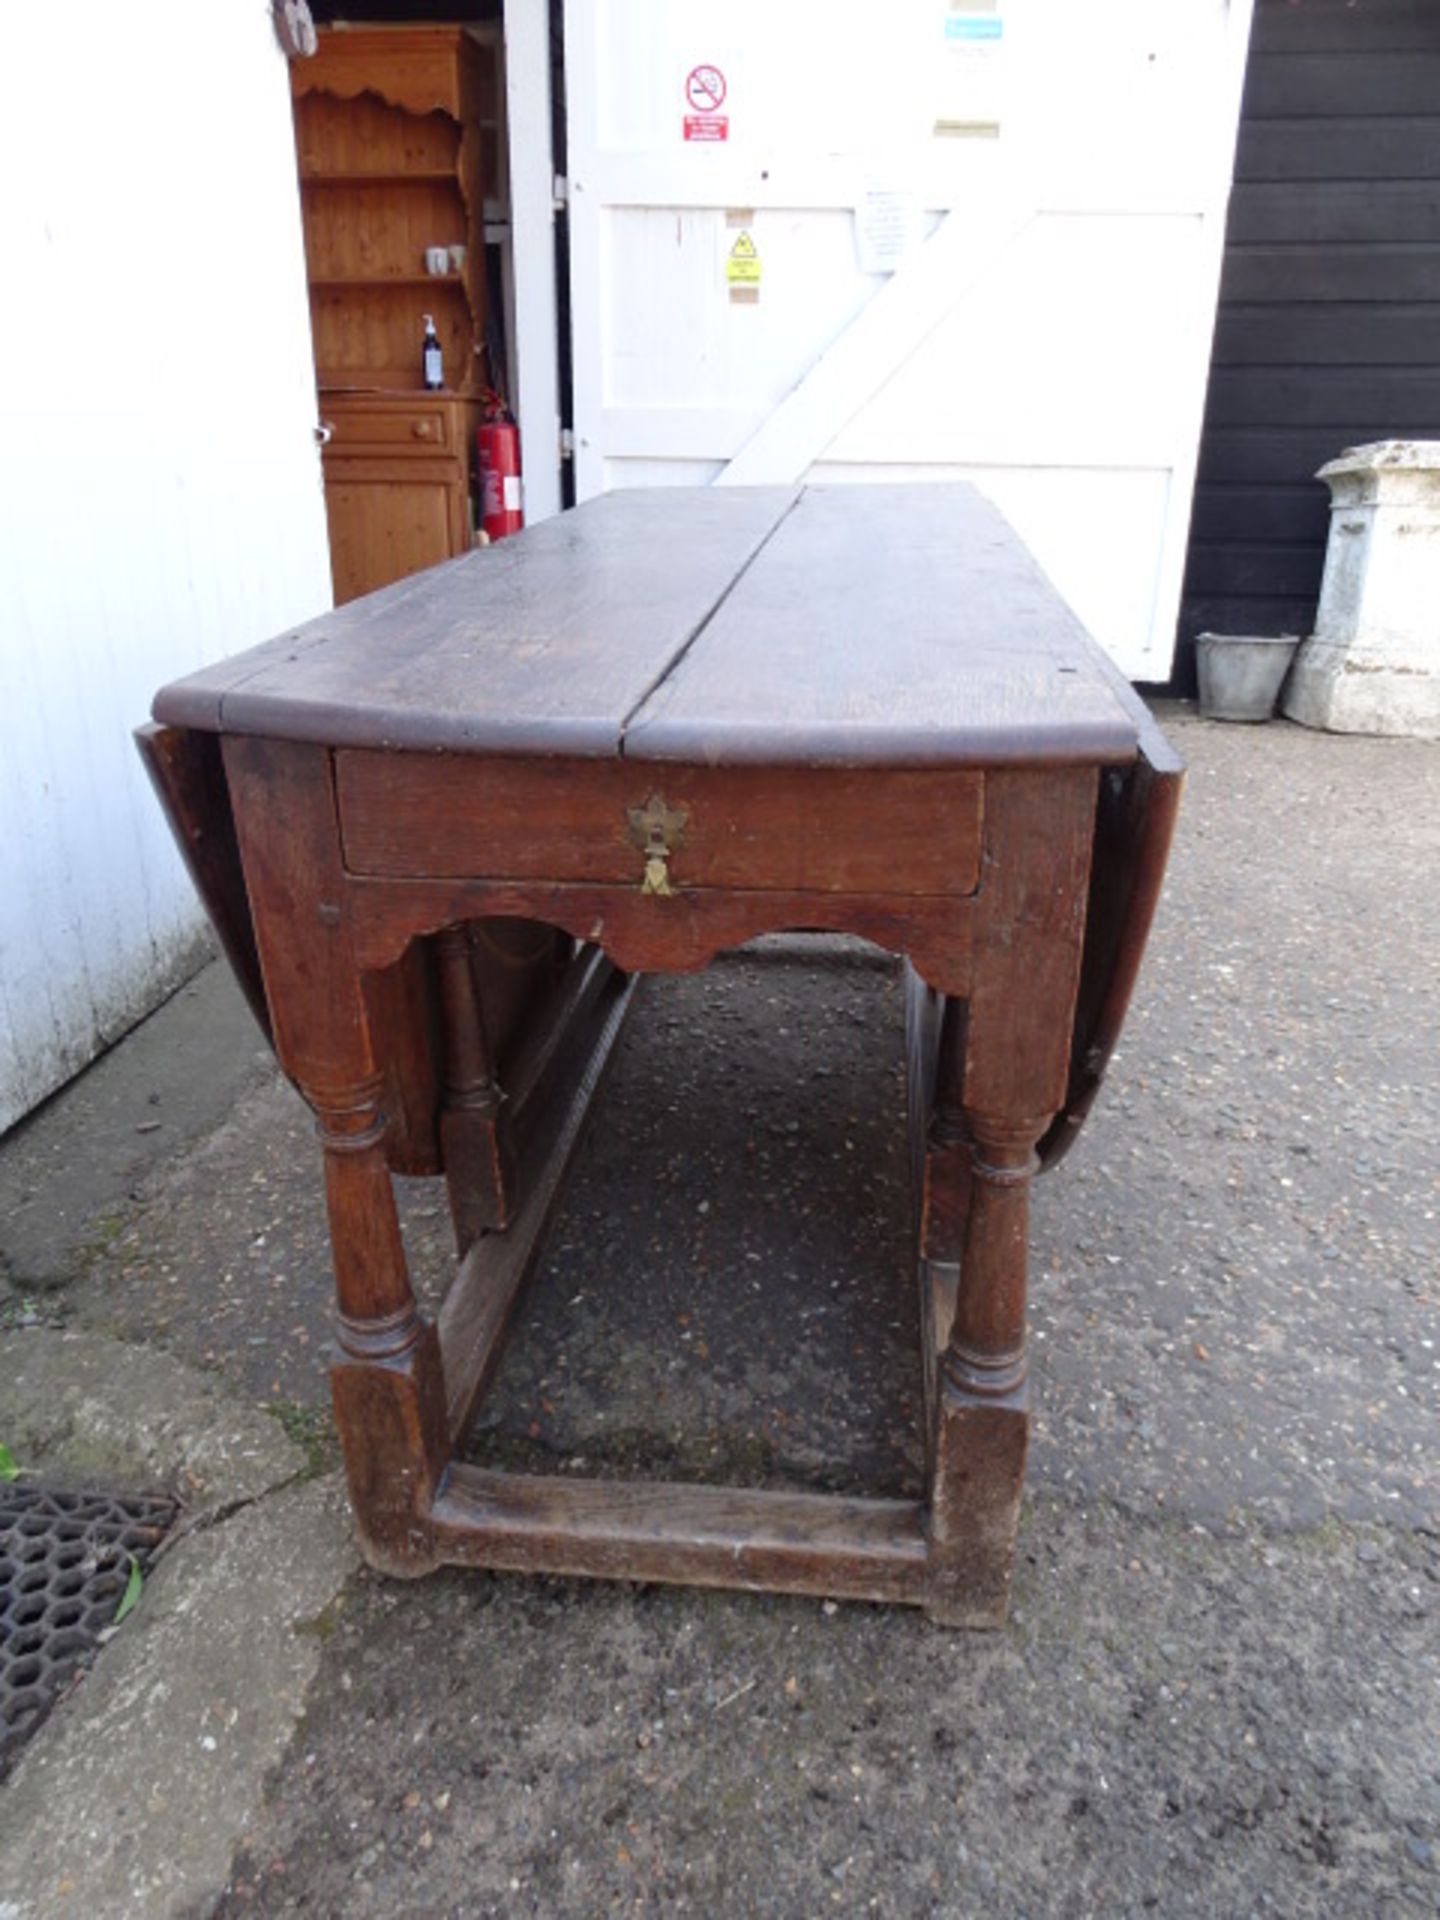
pixel 480 1165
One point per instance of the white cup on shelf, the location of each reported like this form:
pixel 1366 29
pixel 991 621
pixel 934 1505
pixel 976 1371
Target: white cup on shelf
pixel 437 259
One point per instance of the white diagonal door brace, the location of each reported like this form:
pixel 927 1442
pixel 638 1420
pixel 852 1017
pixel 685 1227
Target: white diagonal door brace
pixel 879 340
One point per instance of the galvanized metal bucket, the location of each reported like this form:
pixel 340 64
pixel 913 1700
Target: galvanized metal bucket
pixel 1241 674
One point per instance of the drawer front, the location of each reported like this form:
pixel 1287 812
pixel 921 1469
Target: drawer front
pixel 424 427
pixel 805 830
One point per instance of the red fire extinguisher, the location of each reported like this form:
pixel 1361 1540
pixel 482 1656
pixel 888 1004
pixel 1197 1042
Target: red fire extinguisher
pixel 497 444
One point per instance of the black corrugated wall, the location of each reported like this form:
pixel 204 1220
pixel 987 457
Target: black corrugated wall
pixel 1328 330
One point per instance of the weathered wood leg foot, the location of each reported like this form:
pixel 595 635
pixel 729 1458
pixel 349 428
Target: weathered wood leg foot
pixel 975 1505
pixel 982 1422
pixel 388 1386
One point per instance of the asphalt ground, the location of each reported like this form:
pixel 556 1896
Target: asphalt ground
pixel 1219 1691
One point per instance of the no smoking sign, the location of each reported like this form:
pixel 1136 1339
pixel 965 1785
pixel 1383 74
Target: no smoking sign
pixel 705 95
pixel 705 89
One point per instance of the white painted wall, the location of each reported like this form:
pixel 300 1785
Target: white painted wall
pixel 1049 340
pixel 160 498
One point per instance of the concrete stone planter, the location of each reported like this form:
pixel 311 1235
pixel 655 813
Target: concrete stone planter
pixel 1373 663
pixel 1241 674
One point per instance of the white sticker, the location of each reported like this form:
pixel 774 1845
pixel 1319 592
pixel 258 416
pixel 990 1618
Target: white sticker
pixel 512 493
pixel 887 228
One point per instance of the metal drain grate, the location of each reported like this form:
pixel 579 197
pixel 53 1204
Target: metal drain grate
pixel 64 1566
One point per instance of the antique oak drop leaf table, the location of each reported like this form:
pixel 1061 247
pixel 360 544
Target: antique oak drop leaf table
pixel 440 831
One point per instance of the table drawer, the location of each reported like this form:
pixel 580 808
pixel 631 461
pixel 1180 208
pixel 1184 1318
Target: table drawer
pixel 825 830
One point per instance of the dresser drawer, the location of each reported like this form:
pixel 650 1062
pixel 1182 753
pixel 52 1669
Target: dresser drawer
pixel 382 428
pixel 803 830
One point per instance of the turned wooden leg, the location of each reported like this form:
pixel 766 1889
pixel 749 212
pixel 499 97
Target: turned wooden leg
pixel 474 1128
pixel 982 1415
pixel 1003 1071
pixel 388 1383
pixel 973 1246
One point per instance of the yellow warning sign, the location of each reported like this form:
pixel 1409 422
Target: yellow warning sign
pixel 742 263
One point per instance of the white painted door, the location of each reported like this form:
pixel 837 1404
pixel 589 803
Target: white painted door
pixel 973 240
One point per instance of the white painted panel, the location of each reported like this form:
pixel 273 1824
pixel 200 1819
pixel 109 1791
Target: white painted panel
pixel 894 323
pixel 1096 367
pixel 160 495
pixel 708 433
pixel 1136 95
pixel 660 473
pixel 660 353
pixel 1054 329
pixel 819 76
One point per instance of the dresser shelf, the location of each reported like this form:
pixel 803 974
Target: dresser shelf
pixel 389 132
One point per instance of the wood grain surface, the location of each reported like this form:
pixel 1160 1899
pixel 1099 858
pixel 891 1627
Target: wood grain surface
pixel 694 1535
pixel 902 625
pixel 544 643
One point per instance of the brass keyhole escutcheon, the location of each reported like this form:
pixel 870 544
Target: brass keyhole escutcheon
pixel 658 829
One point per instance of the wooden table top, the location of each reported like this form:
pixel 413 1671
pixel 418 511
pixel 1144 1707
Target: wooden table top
pixel 842 626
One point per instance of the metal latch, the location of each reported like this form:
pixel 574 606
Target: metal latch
pixel 658 830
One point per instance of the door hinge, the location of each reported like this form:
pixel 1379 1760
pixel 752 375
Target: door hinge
pixel 560 193
pixel 567 443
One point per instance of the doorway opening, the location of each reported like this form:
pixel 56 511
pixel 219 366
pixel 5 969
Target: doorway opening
pixel 403 144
